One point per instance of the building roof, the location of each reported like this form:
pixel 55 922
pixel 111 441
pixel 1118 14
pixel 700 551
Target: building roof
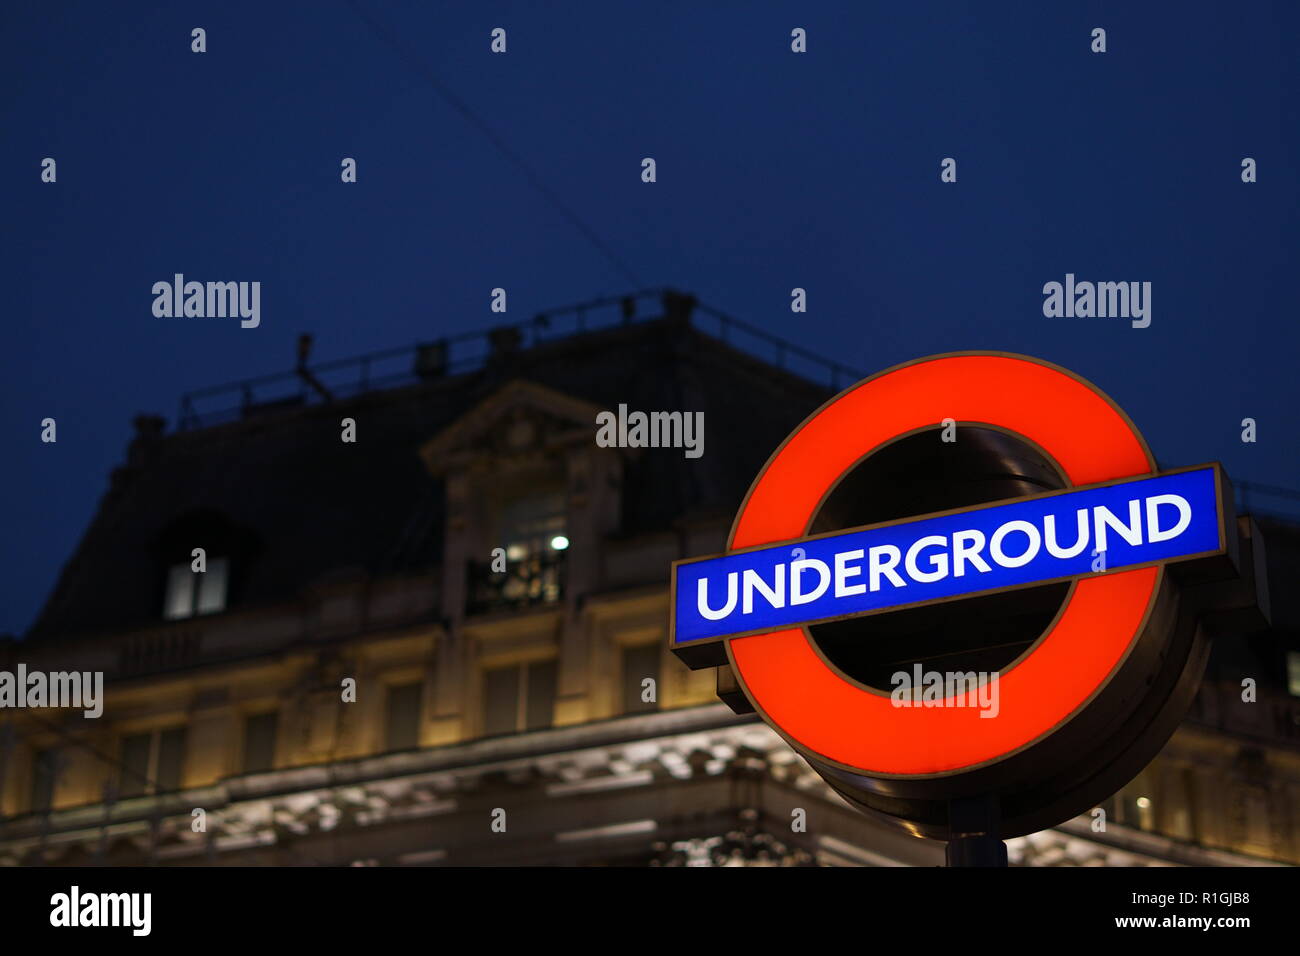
pixel 300 505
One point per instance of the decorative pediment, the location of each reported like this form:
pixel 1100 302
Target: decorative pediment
pixel 519 418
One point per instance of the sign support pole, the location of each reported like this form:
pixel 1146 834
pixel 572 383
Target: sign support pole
pixel 974 825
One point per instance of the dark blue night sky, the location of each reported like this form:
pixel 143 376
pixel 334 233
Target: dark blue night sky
pixel 775 170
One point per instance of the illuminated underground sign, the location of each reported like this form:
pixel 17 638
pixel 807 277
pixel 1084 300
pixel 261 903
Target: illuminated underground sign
pixel 1090 677
pixel 1024 542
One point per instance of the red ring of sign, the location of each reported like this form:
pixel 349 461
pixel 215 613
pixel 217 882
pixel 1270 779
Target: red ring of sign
pixel 817 708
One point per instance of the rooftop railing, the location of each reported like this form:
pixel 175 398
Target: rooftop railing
pixel 468 352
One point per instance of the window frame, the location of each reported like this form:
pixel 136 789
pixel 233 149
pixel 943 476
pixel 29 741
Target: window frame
pixel 246 720
pixel 389 692
pixel 218 565
pixel 638 707
pixel 150 785
pixel 523 682
pixel 45 765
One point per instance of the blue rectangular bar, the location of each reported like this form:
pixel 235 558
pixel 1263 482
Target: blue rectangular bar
pixel 1013 544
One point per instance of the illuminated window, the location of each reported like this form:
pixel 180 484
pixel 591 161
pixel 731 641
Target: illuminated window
pixel 190 593
pixel 519 698
pixel 1293 672
pixel 533 524
pixel 230 551
pixel 531 530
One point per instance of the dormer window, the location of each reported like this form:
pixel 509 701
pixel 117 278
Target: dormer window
pixel 531 530
pixel 191 593
pixel 203 561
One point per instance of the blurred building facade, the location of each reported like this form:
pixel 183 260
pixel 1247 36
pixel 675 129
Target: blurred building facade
pixel 354 680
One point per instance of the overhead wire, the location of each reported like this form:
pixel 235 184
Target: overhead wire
pixel 459 105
